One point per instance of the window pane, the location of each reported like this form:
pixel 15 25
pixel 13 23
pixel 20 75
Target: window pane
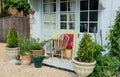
pixel 46 8
pixel 46 1
pixel 63 0
pixel 46 26
pixel 72 17
pixel 46 17
pixel 71 6
pixel 93 4
pixel 71 25
pixel 84 16
pixel 53 7
pixel 93 27
pixel 84 5
pixel 83 27
pixel 52 0
pixel 93 16
pixel 63 18
pixel 63 26
pixel 53 17
pixel 63 6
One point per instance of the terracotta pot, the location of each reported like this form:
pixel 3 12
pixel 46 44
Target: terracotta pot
pixel 26 60
pixel 37 51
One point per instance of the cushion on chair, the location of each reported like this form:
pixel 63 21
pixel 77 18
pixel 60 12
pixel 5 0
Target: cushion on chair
pixel 70 42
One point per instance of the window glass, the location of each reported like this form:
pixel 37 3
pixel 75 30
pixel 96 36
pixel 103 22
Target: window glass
pixel 93 4
pixel 63 6
pixel 71 6
pixel 46 17
pixel 53 17
pixel 46 8
pixel 84 5
pixel 71 25
pixel 52 0
pixel 93 27
pixel 83 16
pixel 63 0
pixel 53 7
pixel 63 26
pixel 72 17
pixel 83 27
pixel 46 1
pixel 63 17
pixel 93 16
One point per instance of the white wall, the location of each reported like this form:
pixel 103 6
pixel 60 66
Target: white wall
pixel 107 16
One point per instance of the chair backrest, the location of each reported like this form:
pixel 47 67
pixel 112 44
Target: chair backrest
pixel 72 42
pixel 63 41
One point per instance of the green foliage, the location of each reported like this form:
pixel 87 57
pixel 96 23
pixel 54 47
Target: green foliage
pixel 38 56
pixel 86 49
pixel 35 45
pixel 13 38
pixel 24 46
pixel 114 37
pixel 18 4
pixel 107 66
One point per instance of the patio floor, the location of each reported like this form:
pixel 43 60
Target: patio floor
pixel 9 70
pixel 57 62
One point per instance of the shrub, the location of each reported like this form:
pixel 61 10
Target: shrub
pixel 12 38
pixel 86 49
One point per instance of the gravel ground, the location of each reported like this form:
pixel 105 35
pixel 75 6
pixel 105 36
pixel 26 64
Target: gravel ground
pixel 9 70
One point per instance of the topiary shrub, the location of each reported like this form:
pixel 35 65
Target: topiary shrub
pixel 12 38
pixel 86 49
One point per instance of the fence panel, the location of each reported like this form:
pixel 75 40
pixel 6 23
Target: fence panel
pixel 21 24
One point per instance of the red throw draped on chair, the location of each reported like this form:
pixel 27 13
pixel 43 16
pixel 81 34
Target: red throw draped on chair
pixel 70 42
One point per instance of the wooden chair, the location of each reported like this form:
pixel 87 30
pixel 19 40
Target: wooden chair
pixel 59 45
pixel 63 41
pixel 70 49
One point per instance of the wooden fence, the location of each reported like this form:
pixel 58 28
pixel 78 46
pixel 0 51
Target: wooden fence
pixel 21 24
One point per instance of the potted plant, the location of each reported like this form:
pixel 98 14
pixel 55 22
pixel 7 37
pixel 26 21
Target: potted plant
pixel 16 7
pixel 37 59
pixel 12 45
pixel 84 63
pixel 36 47
pixel 25 52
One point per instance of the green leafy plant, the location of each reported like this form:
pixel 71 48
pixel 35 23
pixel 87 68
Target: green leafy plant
pixel 107 66
pixel 38 56
pixel 86 49
pixel 12 38
pixel 24 46
pixel 114 37
pixel 20 5
pixel 36 45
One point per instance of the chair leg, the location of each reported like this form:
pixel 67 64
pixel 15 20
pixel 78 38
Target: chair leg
pixel 62 54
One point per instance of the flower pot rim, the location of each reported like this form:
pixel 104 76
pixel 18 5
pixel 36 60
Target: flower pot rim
pixel 85 63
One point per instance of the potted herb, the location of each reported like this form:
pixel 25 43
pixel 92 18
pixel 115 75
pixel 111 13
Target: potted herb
pixel 37 59
pixel 36 47
pixel 84 63
pixel 12 45
pixel 25 51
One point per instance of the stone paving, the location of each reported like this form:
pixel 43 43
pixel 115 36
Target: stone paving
pixel 9 70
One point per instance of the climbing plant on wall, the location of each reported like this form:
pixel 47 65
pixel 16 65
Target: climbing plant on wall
pixel 114 37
